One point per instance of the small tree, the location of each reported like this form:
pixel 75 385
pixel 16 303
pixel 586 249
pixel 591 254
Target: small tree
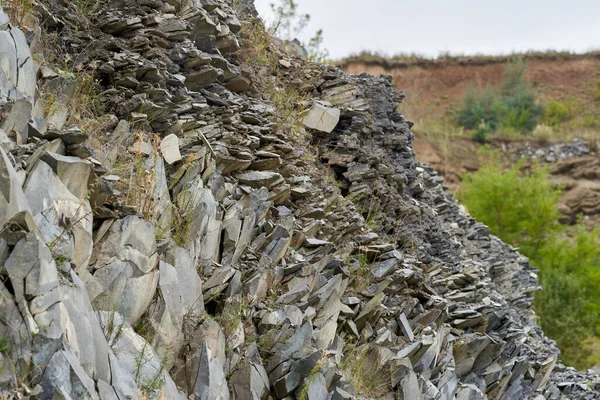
pixel 518 108
pixel 513 106
pixel 289 23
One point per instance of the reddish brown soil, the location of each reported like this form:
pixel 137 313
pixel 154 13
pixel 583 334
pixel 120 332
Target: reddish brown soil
pixel 437 85
pixel 452 79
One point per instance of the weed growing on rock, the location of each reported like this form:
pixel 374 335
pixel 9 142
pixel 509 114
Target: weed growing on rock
pixel 113 329
pixel 303 394
pixel 367 382
pixel 4 344
pixel 17 10
pixel 360 271
pixel 139 177
pixel 86 6
pixel 142 327
pixel 233 314
pixel 259 54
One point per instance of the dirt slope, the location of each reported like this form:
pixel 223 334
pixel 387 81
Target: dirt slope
pixel 438 83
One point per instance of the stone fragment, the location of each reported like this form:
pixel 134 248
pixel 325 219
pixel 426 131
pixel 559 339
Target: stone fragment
pixel 210 382
pixel 203 77
pixel 12 198
pixel 299 370
pixel 371 312
pixel 124 264
pixel 137 359
pixel 257 179
pixel 250 381
pixel 58 115
pixel 169 148
pixel 316 388
pixel 180 300
pixel 322 117
pixel 405 327
pixel 16 125
pixel 64 220
pixel 73 172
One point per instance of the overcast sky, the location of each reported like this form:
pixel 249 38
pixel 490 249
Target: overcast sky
pixel 429 27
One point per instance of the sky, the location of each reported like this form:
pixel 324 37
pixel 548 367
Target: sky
pixel 428 27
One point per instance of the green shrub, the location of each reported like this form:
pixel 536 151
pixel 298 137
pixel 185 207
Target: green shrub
pixel 519 119
pixel 513 107
pixel 478 108
pixel 480 134
pixel 561 111
pixel 569 304
pixel 518 108
pixel 520 207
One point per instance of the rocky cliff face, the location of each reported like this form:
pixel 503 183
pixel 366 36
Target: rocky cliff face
pixel 195 241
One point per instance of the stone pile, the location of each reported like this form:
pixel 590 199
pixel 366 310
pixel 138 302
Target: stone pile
pixel 225 257
pixel 552 153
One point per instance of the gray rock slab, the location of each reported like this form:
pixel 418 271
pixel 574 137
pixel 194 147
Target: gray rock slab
pixel 169 148
pixel 124 263
pixel 12 198
pixel 16 125
pixel 63 219
pixel 73 172
pixel 322 117
pixel 257 179
pixel 137 358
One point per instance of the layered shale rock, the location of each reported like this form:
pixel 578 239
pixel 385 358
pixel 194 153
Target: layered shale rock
pixel 193 243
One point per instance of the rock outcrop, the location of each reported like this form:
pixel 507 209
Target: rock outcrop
pixel 191 242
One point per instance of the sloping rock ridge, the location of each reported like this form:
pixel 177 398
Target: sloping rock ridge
pixel 190 243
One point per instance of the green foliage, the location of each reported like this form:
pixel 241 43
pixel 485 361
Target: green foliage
pixel 4 344
pixel 520 207
pixel 86 6
pixel 513 107
pixel 597 90
pixel 367 381
pixel 561 111
pixel 315 50
pixel 289 23
pixel 480 134
pixel 569 304
pixel 478 108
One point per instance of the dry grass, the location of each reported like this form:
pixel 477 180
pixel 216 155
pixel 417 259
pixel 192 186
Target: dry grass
pixel 137 181
pixel 415 59
pixel 18 11
pixel 258 53
pixel 367 381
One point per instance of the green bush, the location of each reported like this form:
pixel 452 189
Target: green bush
pixel 480 134
pixel 569 304
pixel 513 107
pixel 561 111
pixel 518 107
pixel 520 207
pixel 478 108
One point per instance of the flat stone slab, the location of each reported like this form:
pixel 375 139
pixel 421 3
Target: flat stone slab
pixel 322 117
pixel 169 147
